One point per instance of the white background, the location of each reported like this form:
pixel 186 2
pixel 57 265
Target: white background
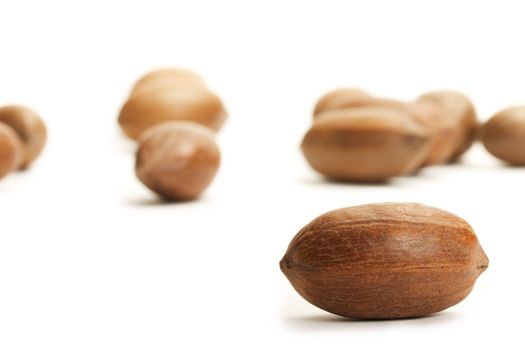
pixel 89 259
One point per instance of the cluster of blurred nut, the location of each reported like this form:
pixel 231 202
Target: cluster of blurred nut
pixel 173 116
pixel 358 137
pixel 22 138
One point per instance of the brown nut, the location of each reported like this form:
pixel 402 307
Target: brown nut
pixel 503 135
pixel 339 98
pixel 30 129
pixel 11 152
pixel 177 160
pixel 461 111
pixel 365 144
pixel 384 261
pixel 444 134
pixel 167 78
pixel 151 108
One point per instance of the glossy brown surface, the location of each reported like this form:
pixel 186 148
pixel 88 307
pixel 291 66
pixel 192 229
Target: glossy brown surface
pixel 383 261
pixel 339 98
pixel 177 160
pixel 503 135
pixel 11 152
pixel 30 129
pixel 365 144
pixel 167 78
pixel 151 108
pixel 460 110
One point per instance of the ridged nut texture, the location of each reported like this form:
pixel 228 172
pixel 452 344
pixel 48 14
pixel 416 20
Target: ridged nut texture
pixel 384 261
pixel 177 160
pixel 150 108
pixel 503 135
pixel 29 127
pixel 365 144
